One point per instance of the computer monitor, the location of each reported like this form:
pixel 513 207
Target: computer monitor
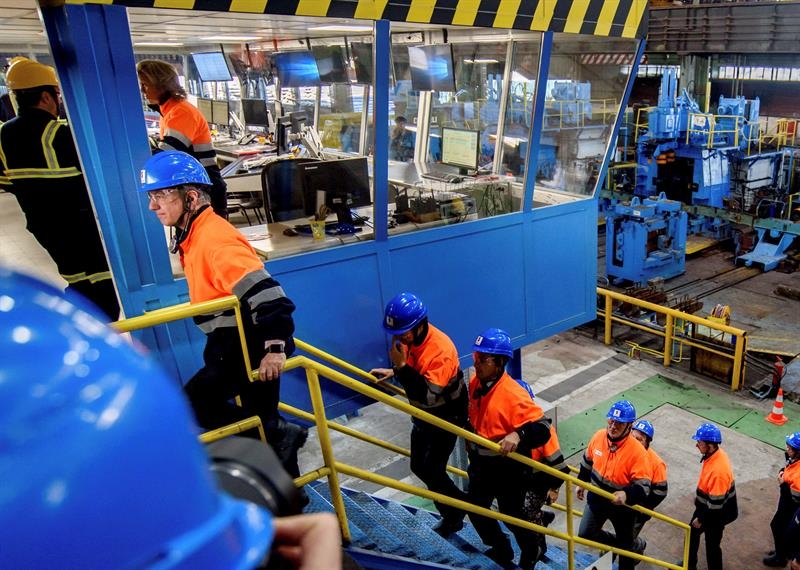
pixel 330 63
pixel 296 68
pixel 361 54
pixel 206 109
pixel 298 120
pixel 211 66
pixel 345 184
pixel 255 113
pixel 432 68
pixel 220 113
pixel 460 147
pixel 283 128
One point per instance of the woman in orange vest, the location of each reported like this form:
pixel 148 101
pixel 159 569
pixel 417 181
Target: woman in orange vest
pixel 782 525
pixel 715 504
pixel 182 126
pixel 643 431
pixel 502 411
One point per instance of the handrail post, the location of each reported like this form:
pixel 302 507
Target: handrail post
pixel 607 338
pixel 570 529
pixel 325 445
pixel 668 332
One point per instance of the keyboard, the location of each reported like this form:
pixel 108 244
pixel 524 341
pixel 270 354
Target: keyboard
pixel 446 178
pixel 331 229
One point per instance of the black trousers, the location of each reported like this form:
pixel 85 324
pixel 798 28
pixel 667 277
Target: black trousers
pixel 595 515
pixel 780 526
pixel 713 534
pixel 497 477
pixel 430 449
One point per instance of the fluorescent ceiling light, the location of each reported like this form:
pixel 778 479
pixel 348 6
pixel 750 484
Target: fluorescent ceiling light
pixel 159 44
pixel 481 61
pixel 230 38
pixel 340 28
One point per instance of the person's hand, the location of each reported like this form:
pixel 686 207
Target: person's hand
pixel 794 564
pixel 696 523
pixel 271 366
pixel 552 496
pixel 309 542
pixel 780 477
pixel 509 443
pixel 580 493
pixel 382 374
pixel 619 498
pixel 397 354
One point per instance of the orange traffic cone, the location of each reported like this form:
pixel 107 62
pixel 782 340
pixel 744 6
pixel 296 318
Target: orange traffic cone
pixel 776 415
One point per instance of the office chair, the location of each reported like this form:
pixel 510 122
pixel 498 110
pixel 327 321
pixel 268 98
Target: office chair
pixel 283 190
pixel 241 202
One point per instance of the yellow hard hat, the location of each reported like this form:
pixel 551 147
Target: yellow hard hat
pixel 24 73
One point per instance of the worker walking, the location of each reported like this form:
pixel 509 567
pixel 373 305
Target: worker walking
pixel 219 261
pixel 715 504
pixel 643 431
pixel 619 464
pixel 501 410
pixel 425 363
pixel 182 126
pixel 784 523
pixel 42 170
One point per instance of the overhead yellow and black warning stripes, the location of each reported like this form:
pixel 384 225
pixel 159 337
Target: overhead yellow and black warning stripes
pixel 617 18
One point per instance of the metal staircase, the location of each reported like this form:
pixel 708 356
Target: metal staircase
pixel 388 534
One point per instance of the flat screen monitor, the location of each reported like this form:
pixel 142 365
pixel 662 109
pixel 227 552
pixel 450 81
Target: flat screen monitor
pixel 206 109
pixel 330 63
pixel 220 113
pixel 460 148
pixel 283 128
pixel 345 184
pixel 361 54
pixel 298 119
pixel 296 68
pixel 432 68
pixel 254 112
pixel 211 66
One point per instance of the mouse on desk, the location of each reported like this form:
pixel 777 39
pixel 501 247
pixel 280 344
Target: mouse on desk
pixel 290 232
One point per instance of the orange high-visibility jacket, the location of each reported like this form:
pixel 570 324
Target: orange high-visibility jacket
pixel 791 480
pixel 505 408
pixel 620 466
pixel 549 454
pixel 715 502
pixel 432 376
pixel 658 480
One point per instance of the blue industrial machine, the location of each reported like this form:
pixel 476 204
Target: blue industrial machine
pixel 646 239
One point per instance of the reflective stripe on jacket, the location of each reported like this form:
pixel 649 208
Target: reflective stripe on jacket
pixel 658 485
pixel 621 466
pixel 715 501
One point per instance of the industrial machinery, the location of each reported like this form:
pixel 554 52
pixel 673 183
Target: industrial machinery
pixel 646 239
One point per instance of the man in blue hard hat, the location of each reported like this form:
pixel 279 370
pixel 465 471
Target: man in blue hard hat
pixel 783 523
pixel 617 463
pixel 643 431
pixel 101 466
pixel 425 363
pixel 218 261
pixel 715 503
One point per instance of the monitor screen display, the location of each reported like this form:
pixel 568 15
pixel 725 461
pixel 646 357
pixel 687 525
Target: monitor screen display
pixel 330 63
pixel 431 68
pixel 345 184
pixel 254 112
pixel 362 61
pixel 206 109
pixel 296 68
pixel 460 147
pixel 219 113
pixel 211 66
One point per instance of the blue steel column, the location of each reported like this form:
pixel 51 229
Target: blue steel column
pixel 93 54
pixel 532 160
pixel 380 155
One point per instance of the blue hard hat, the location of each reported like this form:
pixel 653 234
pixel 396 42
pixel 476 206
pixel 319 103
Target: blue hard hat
pixel 708 432
pixel 100 463
pixel 403 313
pixel 622 411
pixel 793 440
pixel 494 341
pixel 169 169
pixel 645 427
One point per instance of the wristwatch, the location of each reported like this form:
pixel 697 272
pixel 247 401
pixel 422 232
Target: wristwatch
pixel 275 346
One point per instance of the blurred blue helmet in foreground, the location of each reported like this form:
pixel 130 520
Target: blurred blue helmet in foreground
pixel 99 459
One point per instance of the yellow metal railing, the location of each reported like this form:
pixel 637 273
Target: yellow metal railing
pixel 639 125
pixel 670 333
pixel 331 467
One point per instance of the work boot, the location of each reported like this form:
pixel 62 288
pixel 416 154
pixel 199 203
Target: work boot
pixel 287 439
pixel 502 555
pixel 448 526
pixel 775 561
pixel 529 557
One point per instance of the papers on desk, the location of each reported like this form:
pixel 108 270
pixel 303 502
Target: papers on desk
pixel 256 237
